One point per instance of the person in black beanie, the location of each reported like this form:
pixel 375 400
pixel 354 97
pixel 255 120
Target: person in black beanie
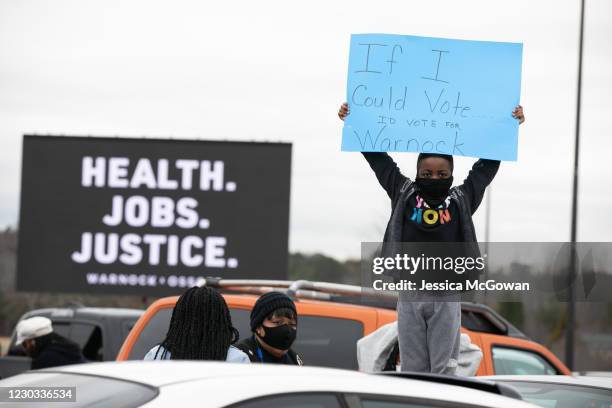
pixel 274 327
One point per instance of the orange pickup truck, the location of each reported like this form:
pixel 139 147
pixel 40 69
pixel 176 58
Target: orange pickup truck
pixel 332 317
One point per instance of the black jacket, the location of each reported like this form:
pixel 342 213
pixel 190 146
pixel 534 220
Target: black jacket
pixel 400 188
pixel 250 347
pixel 56 350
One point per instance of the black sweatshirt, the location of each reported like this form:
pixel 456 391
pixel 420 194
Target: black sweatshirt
pixel 424 224
pixel 57 352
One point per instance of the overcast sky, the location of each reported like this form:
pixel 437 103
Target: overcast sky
pixel 276 71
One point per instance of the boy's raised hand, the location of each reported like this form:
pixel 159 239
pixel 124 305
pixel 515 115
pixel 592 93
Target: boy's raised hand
pixel 517 113
pixel 343 111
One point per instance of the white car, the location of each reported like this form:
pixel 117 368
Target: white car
pixel 218 384
pixel 560 391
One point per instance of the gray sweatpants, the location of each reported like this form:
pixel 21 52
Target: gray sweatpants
pixel 429 334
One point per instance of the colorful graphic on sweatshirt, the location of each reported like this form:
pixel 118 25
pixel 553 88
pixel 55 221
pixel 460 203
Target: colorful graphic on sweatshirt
pixel 423 214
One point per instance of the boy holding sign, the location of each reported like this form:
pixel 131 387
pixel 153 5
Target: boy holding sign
pixel 429 331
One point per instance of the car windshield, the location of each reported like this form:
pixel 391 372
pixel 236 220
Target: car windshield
pixel 562 395
pixel 87 390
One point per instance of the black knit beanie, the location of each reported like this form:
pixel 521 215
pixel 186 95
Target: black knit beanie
pixel 268 303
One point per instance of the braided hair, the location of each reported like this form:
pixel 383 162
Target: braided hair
pixel 200 327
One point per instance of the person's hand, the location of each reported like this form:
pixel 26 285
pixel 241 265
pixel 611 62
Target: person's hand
pixel 344 111
pixel 517 113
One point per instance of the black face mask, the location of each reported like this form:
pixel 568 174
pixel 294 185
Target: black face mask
pixel 434 191
pixel 279 337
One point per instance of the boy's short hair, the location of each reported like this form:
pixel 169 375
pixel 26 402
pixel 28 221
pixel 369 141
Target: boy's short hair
pixel 447 157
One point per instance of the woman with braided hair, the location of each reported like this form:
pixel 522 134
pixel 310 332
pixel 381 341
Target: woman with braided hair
pixel 200 329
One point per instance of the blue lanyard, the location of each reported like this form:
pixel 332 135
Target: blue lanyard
pixel 259 354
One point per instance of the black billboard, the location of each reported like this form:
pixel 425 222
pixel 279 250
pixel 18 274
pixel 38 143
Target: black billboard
pixel 150 216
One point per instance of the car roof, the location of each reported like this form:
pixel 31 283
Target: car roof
pixel 157 373
pixel 62 312
pixel 247 381
pixel 600 382
pixel 250 299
